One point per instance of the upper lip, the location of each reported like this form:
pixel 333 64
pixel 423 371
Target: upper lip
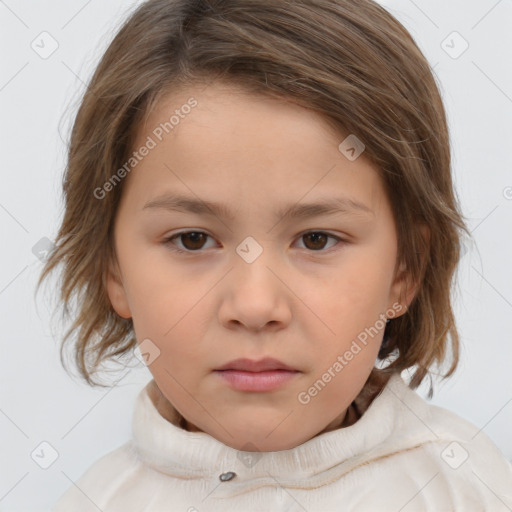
pixel 249 365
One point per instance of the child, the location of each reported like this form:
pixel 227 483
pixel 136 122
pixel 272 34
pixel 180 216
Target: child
pixel 258 198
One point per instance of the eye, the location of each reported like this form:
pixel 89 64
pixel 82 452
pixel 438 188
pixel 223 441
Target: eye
pixel 193 241
pixel 318 239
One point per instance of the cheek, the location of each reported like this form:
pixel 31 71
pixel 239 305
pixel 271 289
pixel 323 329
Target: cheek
pixel 157 290
pixel 349 308
pixel 170 313
pixel 354 295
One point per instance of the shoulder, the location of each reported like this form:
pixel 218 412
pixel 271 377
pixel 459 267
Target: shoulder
pixel 441 455
pixel 101 480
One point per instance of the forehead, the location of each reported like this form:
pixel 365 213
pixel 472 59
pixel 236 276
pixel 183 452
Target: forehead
pixel 220 141
pixel 229 113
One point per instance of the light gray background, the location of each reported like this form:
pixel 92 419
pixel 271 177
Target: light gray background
pixel 39 402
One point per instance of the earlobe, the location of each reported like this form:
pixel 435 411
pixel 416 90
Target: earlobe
pixel 116 292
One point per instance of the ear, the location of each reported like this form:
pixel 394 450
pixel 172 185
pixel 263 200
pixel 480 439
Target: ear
pixel 404 289
pixel 116 291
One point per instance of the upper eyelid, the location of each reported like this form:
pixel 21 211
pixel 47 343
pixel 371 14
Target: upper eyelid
pixel 207 234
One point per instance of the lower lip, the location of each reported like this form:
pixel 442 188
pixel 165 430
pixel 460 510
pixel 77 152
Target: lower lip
pixel 256 381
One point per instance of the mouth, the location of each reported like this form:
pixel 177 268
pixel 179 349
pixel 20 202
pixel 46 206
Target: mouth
pixel 257 376
pixel 263 365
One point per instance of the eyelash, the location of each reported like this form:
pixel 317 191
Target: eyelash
pixel 169 241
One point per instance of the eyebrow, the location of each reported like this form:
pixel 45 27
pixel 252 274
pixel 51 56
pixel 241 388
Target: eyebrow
pixel 335 205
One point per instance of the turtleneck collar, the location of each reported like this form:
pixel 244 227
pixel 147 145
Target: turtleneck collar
pixel 164 445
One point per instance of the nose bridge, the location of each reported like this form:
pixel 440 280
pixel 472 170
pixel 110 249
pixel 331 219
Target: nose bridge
pixel 252 265
pixel 250 250
pixel 254 294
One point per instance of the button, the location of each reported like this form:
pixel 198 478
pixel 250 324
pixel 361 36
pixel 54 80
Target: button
pixel 227 476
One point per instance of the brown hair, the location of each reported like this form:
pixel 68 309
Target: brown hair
pixel 350 61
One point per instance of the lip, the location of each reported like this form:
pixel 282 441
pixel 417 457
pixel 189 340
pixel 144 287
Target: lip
pixel 258 376
pixel 263 365
pixel 256 381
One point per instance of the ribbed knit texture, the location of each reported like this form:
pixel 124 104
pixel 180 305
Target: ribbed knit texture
pixel 402 454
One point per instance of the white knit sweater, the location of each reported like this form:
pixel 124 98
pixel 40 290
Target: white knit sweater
pixel 403 454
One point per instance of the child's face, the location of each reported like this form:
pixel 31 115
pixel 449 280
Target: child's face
pixel 304 300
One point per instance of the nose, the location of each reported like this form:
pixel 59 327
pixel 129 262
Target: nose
pixel 255 296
